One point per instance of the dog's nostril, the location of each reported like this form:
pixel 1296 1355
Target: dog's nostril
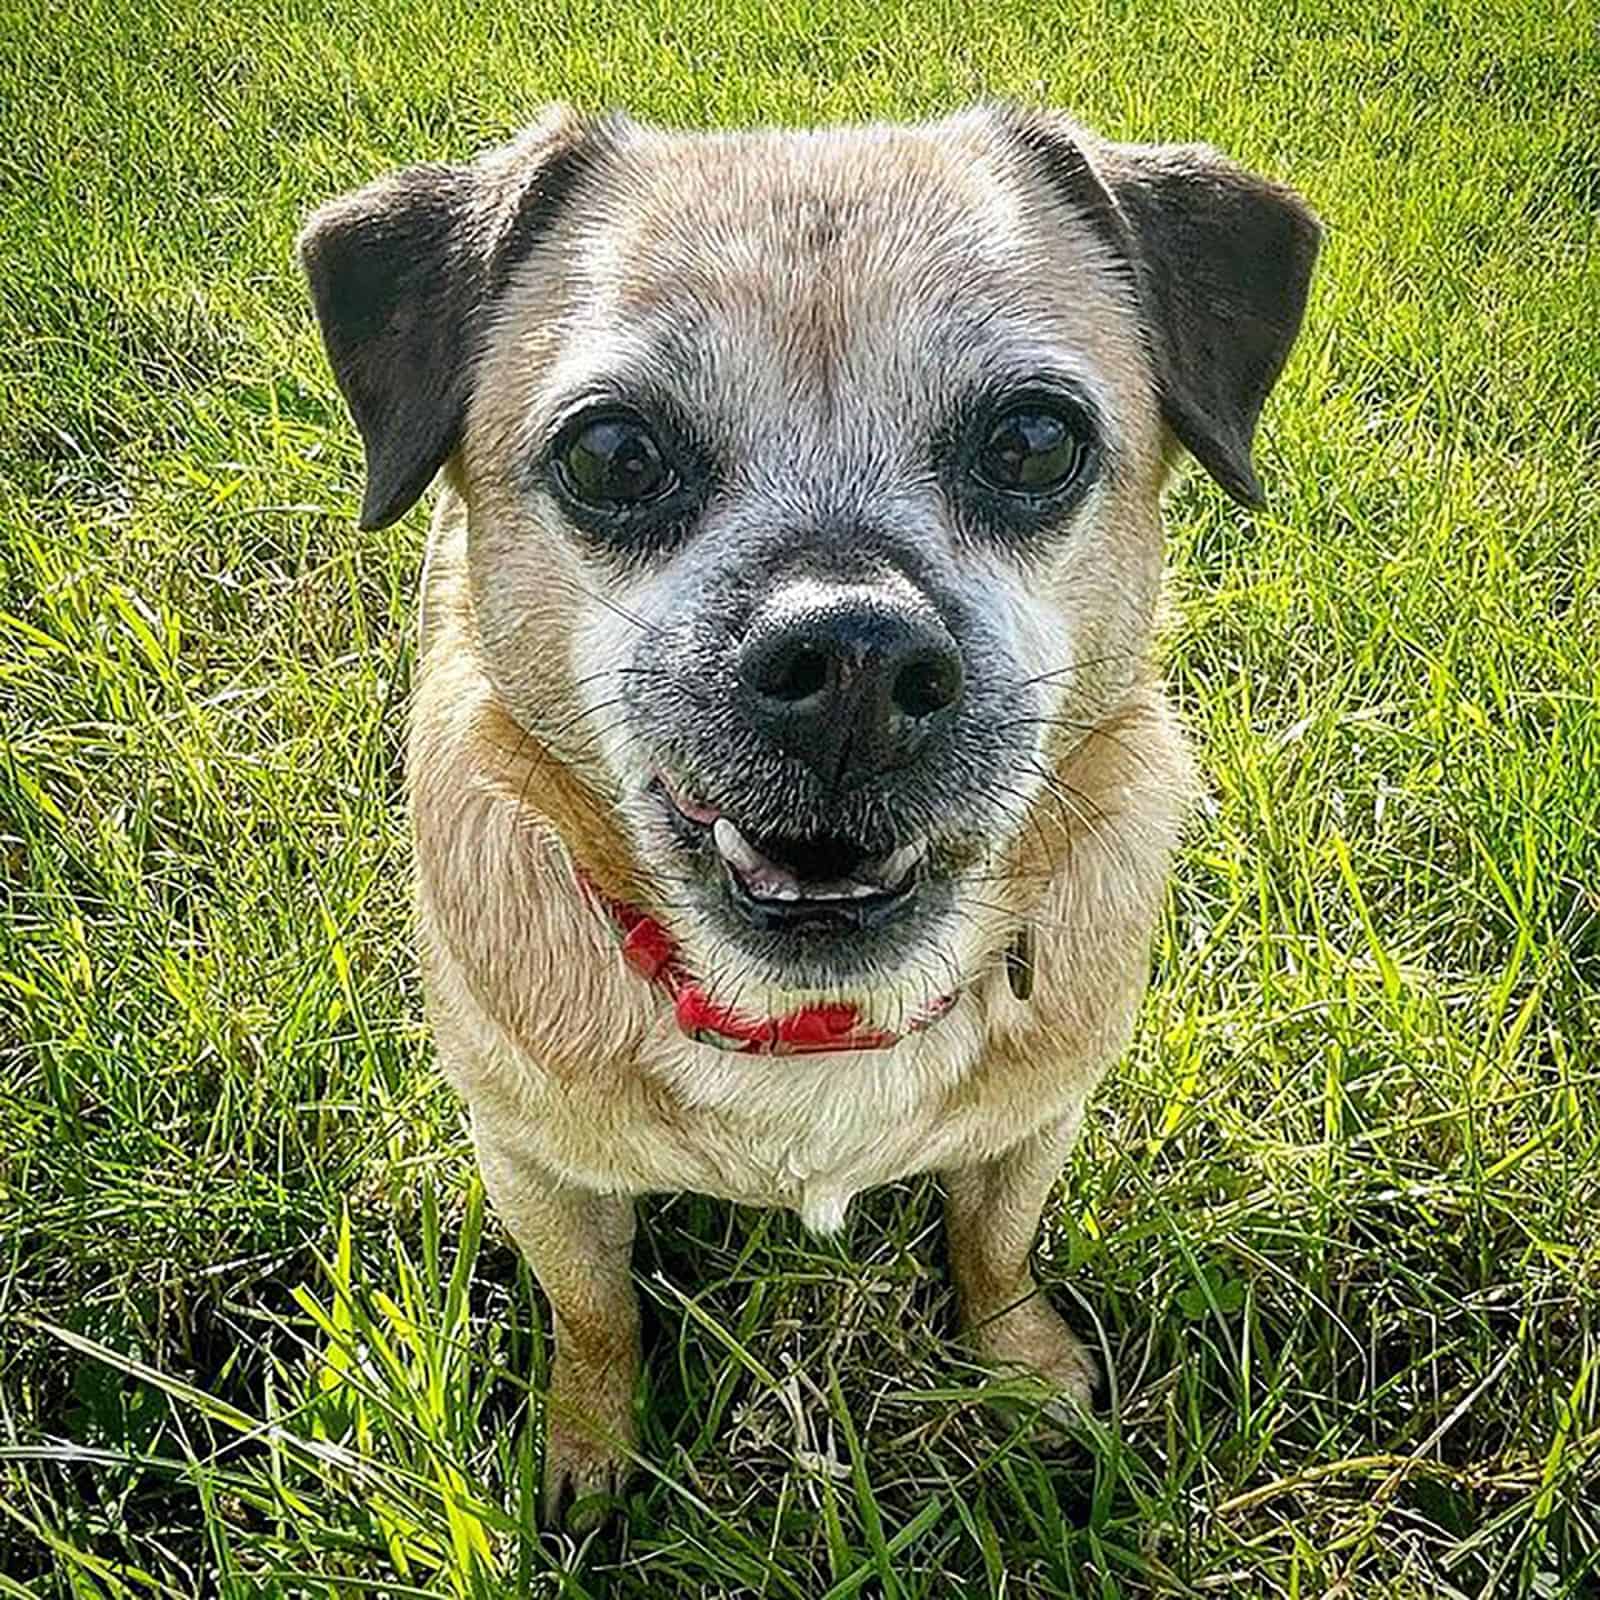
pixel 927 684
pixel 794 674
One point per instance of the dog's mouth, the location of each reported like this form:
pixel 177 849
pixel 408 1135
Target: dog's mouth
pixel 826 880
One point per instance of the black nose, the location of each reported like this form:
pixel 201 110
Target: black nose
pixel 853 685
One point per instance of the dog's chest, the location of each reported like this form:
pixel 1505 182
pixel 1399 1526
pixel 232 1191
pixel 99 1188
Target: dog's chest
pixel 810 1132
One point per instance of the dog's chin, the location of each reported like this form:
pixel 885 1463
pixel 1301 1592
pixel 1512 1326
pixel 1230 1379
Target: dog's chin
pixel 816 914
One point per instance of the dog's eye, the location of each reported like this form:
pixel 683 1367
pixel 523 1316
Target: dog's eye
pixel 614 461
pixel 1033 449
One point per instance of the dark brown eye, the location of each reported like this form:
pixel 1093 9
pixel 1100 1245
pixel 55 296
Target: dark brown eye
pixel 1033 450
pixel 614 461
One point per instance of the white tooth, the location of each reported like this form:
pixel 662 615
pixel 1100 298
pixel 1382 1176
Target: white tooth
pixel 895 867
pixel 841 889
pixel 770 884
pixel 733 846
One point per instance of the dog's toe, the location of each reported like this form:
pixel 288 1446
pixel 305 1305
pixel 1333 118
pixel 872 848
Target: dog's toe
pixel 583 1474
pixel 1031 1340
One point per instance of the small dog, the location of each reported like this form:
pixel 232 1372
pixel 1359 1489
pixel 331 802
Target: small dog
pixel 792 790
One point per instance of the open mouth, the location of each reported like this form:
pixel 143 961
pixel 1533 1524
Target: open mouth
pixel 824 880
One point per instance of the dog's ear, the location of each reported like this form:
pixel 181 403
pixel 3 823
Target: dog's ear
pixel 401 275
pixel 1221 261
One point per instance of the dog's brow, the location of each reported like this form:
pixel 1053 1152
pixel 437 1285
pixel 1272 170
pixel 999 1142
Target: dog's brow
pixel 645 369
pixel 633 386
pixel 597 392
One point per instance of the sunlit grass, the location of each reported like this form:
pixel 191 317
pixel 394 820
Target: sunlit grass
pixel 1333 1224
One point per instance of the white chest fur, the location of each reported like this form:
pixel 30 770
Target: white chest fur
pixel 810 1132
pixel 805 1132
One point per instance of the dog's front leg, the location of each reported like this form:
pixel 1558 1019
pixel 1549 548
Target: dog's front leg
pixel 991 1216
pixel 578 1243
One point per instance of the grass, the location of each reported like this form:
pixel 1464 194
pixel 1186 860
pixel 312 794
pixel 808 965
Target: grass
pixel 1335 1223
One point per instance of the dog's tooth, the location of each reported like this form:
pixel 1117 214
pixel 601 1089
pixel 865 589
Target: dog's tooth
pixel 841 889
pixel 732 846
pixel 768 882
pixel 895 867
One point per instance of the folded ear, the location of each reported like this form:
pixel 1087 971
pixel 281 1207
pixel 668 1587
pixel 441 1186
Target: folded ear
pixel 1221 260
pixel 1223 263
pixel 401 275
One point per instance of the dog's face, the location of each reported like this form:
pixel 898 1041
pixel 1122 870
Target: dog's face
pixel 813 486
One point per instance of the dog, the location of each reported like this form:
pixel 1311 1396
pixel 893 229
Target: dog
pixel 792 789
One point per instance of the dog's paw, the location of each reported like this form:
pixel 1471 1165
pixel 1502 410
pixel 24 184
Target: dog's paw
pixel 581 1465
pixel 589 1437
pixel 1030 1340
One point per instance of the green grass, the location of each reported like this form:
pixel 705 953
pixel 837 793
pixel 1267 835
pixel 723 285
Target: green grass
pixel 1335 1223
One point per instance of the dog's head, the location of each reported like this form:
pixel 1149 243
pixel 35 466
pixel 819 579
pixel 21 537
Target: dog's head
pixel 812 482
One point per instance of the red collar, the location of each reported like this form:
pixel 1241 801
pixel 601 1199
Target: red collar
pixel 652 952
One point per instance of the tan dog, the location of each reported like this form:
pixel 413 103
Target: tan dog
pixel 787 620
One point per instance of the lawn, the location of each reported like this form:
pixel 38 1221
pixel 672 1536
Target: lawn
pixel 1334 1224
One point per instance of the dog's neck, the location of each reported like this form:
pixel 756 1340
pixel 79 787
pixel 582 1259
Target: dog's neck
pixel 653 953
